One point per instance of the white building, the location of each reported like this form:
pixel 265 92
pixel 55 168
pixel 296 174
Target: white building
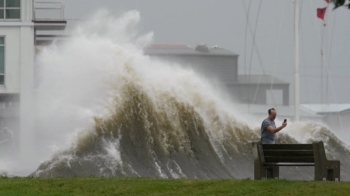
pixel 19 21
pixel 335 116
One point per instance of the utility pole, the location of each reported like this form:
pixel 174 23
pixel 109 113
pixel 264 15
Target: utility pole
pixel 296 73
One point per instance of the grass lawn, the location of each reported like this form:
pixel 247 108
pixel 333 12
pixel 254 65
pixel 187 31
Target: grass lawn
pixel 146 186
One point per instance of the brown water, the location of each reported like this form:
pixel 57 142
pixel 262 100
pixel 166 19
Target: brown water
pixel 144 118
pixel 156 134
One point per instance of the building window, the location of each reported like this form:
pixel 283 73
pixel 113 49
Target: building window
pixel 10 9
pixel 2 60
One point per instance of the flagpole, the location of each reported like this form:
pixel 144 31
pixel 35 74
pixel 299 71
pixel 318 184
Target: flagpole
pixel 296 73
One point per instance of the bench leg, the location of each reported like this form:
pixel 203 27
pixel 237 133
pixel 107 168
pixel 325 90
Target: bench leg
pixel 272 172
pixel 259 171
pixel 337 174
pixel 328 172
pixel 333 171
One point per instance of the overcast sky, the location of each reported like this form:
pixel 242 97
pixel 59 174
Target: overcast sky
pixel 224 22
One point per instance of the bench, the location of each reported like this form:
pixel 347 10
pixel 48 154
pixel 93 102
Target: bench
pixel 269 157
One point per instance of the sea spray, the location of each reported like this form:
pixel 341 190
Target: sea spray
pixel 105 109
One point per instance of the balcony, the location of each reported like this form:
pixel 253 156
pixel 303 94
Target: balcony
pixel 49 16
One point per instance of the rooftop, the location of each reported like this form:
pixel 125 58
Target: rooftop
pixel 327 108
pixel 257 79
pixel 201 50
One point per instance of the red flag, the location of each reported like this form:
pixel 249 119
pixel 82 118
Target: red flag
pixel 327 1
pixel 321 12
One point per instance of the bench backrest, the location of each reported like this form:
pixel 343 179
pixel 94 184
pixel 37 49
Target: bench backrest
pixel 292 153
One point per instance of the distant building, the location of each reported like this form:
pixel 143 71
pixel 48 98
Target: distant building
pixel 19 23
pixel 260 89
pixel 336 116
pixel 284 112
pixel 221 65
pixel 213 63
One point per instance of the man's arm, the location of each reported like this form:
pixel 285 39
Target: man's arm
pixel 273 130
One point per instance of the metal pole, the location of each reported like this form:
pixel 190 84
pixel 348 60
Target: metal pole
pixel 296 74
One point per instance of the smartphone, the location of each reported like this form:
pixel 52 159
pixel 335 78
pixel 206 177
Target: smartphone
pixel 285 120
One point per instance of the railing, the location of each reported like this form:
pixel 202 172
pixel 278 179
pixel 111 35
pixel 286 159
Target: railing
pixel 44 10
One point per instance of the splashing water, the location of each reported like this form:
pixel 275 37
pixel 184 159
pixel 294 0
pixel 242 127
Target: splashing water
pixel 106 109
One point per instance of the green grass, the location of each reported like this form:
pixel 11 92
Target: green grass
pixel 145 186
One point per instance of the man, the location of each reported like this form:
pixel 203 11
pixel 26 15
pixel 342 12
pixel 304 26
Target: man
pixel 268 128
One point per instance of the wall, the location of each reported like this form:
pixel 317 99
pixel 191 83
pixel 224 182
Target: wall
pixel 220 68
pixel 19 49
pixel 252 94
pixel 19 71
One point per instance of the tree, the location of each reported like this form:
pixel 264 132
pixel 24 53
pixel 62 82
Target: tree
pixel 339 3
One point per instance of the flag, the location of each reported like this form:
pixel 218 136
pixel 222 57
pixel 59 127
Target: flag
pixel 321 12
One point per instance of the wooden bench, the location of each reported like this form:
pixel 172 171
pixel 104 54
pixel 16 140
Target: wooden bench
pixel 269 157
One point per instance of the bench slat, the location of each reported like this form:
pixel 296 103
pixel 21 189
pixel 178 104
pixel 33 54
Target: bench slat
pixel 289 164
pixel 288 146
pixel 283 152
pixel 293 159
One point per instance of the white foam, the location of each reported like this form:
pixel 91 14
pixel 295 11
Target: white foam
pixel 85 76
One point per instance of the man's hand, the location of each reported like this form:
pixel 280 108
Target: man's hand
pixel 284 124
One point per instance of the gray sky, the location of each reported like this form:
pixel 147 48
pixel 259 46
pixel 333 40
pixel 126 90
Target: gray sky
pixel 223 23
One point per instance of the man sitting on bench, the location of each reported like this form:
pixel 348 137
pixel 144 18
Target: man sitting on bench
pixel 268 128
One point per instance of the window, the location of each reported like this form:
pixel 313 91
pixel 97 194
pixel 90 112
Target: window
pixel 10 9
pixel 2 60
